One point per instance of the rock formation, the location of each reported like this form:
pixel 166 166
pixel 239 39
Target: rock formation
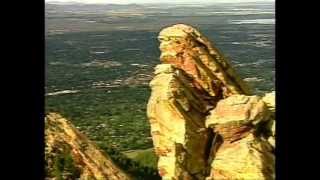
pixel 187 49
pixel 240 152
pixel 90 163
pixel 176 111
pixel 269 99
pixel 205 122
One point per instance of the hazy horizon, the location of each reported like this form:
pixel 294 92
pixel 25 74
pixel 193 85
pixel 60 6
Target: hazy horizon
pixel 152 1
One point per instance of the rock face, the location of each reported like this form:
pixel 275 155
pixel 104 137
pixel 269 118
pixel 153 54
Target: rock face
pixel 239 151
pixel 87 160
pixel 269 99
pixel 175 111
pixel 187 49
pixel 205 123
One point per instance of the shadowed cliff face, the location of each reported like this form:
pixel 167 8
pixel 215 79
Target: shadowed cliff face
pixel 205 123
pixel 70 155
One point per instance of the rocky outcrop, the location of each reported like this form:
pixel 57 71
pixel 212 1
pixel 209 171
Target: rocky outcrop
pixel 238 150
pixel 205 123
pixel 175 111
pixel 87 160
pixel 187 49
pixel 269 99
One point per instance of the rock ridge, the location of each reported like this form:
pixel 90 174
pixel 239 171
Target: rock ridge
pixel 63 138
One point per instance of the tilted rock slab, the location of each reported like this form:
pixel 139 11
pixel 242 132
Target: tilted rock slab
pixel 187 49
pixel 94 164
pixel 187 87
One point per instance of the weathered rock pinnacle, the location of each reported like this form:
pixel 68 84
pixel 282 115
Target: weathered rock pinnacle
pixel 205 123
pixel 187 49
pixel 175 111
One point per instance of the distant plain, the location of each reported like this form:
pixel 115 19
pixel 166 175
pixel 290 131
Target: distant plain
pixel 100 59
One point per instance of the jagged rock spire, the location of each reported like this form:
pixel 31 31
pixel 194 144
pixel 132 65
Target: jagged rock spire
pixel 201 110
pixel 176 113
pixel 187 49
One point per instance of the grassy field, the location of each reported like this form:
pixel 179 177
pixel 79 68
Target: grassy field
pixel 145 157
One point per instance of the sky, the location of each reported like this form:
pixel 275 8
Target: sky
pixel 153 1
